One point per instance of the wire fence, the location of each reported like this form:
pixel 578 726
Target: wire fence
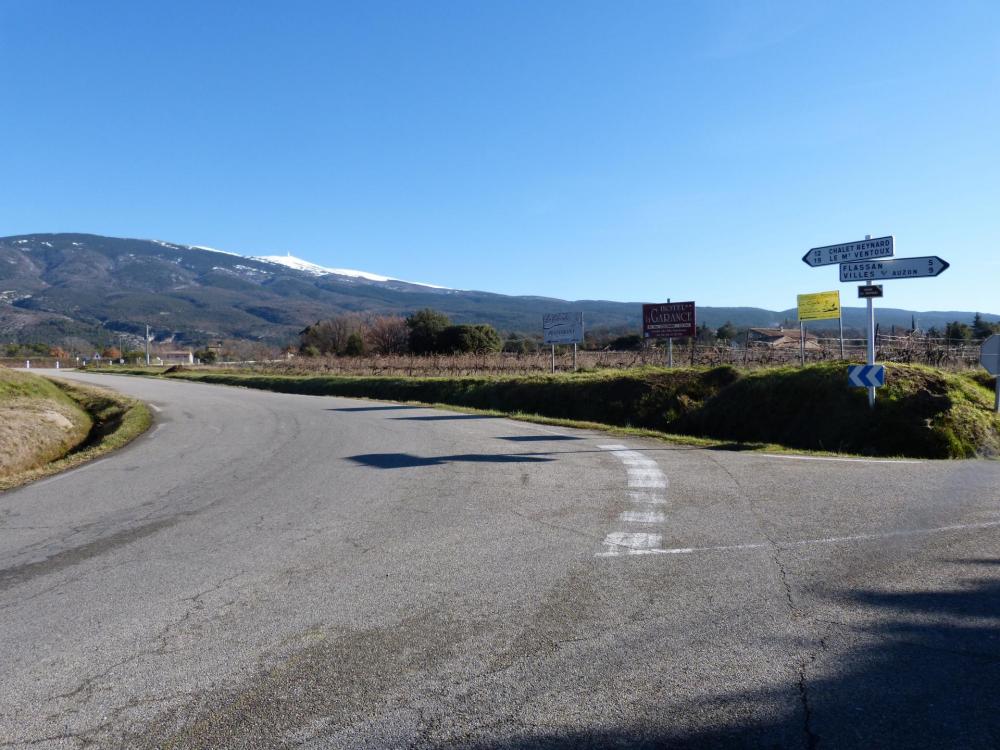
pixel 936 352
pixel 904 349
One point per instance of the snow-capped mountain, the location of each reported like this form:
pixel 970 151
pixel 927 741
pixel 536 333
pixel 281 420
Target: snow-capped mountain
pixel 58 285
pixel 55 286
pixel 290 261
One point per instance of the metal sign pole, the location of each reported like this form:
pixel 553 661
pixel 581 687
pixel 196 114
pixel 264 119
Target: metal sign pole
pixel 553 358
pixel 871 348
pixel 802 343
pixel 871 343
pixel 574 356
pixel 670 347
pixel 841 319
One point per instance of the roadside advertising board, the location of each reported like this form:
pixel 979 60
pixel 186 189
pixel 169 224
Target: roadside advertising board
pixel 562 327
pixel 668 320
pixel 819 306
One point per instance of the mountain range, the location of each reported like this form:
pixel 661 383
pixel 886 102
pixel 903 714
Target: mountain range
pixel 54 286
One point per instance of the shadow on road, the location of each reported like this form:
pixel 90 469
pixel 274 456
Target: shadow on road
pixel 376 408
pixel 446 417
pixel 538 438
pixel 924 672
pixel 407 460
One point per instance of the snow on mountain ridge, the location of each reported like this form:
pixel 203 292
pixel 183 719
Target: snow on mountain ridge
pixel 290 261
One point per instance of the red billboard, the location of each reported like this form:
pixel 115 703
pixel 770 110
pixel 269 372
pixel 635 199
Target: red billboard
pixel 668 320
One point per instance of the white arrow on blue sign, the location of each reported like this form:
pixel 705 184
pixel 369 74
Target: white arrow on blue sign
pixel 866 376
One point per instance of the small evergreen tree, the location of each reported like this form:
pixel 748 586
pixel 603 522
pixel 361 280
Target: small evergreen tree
pixel 726 332
pixel 980 328
pixel 957 333
pixel 425 327
pixel 355 346
pixel 462 339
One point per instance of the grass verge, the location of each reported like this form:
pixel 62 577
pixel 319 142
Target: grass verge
pixel 105 422
pixel 922 412
pixel 38 422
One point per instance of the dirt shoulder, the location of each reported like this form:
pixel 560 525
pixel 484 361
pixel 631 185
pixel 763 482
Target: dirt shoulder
pixel 47 426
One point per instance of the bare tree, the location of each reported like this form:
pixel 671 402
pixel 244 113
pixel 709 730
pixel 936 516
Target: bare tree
pixel 330 336
pixel 387 334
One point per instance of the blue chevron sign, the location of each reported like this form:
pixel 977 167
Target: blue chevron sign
pixel 866 376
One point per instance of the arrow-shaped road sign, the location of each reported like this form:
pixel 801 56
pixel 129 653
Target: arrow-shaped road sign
pixel 897 268
pixel 989 354
pixel 880 247
pixel 866 376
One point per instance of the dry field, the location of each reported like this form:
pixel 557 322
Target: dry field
pixel 906 351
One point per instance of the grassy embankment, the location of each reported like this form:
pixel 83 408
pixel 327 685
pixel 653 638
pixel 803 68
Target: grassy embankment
pixel 48 426
pixel 923 412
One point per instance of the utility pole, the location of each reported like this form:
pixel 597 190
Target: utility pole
pixel 147 346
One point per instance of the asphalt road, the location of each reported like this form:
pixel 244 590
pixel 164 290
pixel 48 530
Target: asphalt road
pixel 266 570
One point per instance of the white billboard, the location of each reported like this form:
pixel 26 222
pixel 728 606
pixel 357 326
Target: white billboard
pixel 562 327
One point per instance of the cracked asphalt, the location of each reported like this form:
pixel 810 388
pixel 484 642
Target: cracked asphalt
pixel 267 570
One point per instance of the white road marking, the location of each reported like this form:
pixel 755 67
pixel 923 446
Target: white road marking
pixel 633 540
pixel 643 516
pixel 647 487
pixel 647 479
pixel 155 408
pixel 835 539
pixel 845 460
pixel 646 497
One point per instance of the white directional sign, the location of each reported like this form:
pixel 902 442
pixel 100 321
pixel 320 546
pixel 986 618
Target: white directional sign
pixel 562 328
pixel 897 268
pixel 880 247
pixel 866 376
pixel 989 354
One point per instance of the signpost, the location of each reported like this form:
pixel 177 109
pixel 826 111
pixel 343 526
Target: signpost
pixel 897 268
pixel 880 247
pixel 989 357
pixel 562 328
pixel 669 320
pixel 866 376
pixel 862 261
pixel 818 306
pixel 869 291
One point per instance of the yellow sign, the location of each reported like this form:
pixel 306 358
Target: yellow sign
pixel 819 306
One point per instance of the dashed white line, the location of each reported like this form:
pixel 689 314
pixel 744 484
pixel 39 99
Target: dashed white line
pixel 643 516
pixel 647 479
pixel 646 497
pixel 647 487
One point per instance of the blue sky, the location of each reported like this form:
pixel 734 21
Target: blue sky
pixel 614 150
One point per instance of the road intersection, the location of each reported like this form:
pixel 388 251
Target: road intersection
pixel 272 570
